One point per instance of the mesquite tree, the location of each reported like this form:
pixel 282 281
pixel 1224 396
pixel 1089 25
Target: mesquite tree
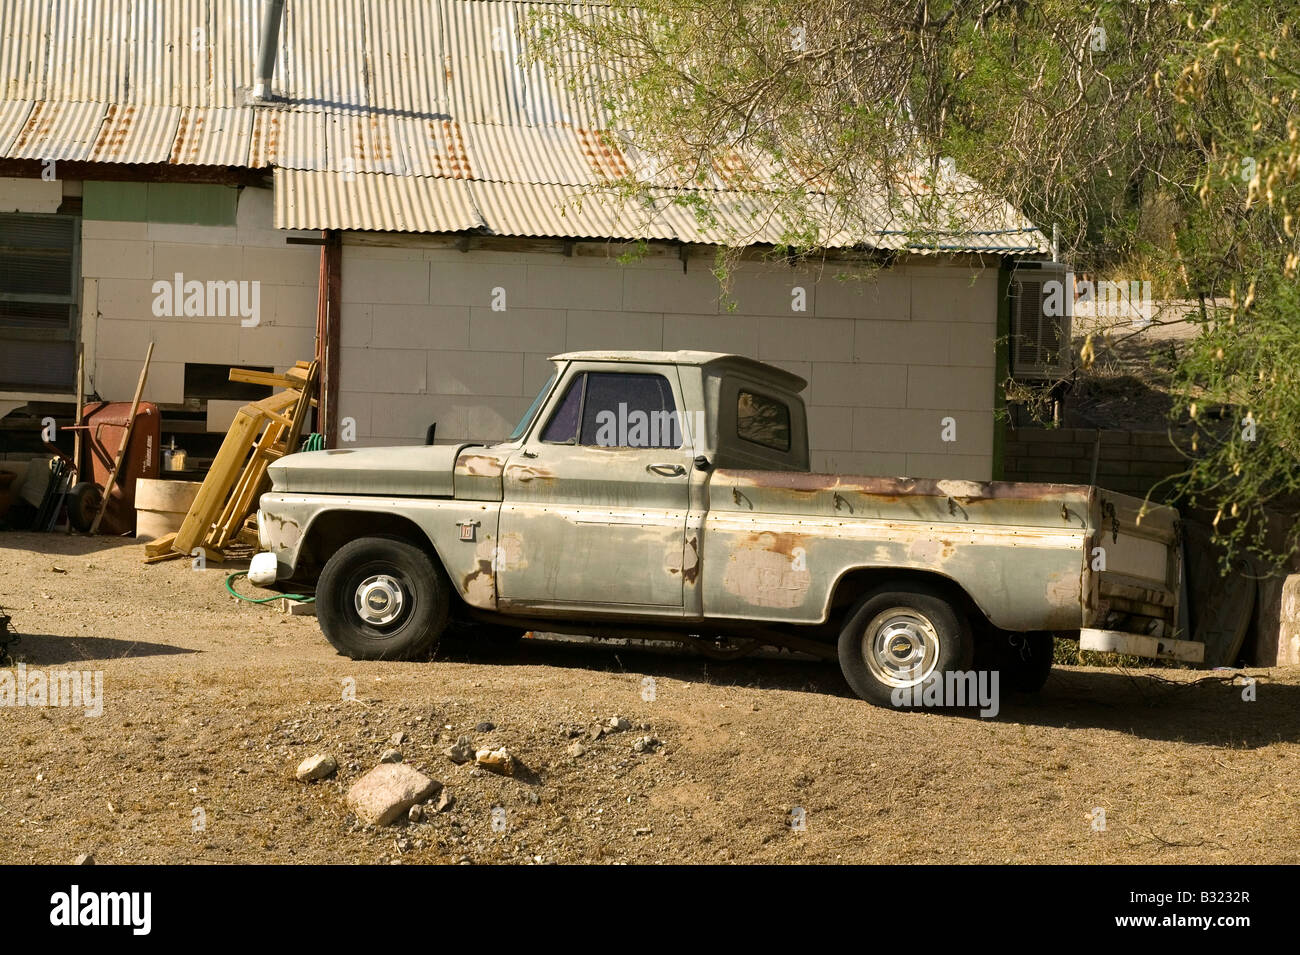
pixel 1156 135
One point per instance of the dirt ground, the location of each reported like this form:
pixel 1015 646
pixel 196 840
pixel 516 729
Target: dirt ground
pixel 209 705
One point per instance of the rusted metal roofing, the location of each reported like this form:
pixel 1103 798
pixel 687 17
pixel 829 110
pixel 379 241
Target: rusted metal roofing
pixel 306 199
pixel 409 115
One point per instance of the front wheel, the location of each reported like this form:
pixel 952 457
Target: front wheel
pixel 381 598
pixel 898 641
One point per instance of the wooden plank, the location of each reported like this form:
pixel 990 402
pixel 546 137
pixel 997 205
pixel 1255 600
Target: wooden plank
pixel 159 558
pixel 126 439
pixel 302 410
pixel 162 545
pixel 250 480
pixel 279 419
pixel 270 379
pixel 276 403
pixel 226 467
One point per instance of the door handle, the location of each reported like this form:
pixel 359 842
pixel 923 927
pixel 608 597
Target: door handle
pixel 666 470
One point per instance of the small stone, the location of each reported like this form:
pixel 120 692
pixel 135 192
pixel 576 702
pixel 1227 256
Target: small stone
pixel 617 724
pixel 385 793
pixel 391 756
pixel 484 727
pixel 461 752
pixel 576 749
pixel 85 858
pixel 597 731
pixel 415 814
pixel 398 738
pixel 497 760
pixel 445 801
pixel 645 744
pixel 316 767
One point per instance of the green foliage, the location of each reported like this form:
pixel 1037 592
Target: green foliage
pixel 1157 135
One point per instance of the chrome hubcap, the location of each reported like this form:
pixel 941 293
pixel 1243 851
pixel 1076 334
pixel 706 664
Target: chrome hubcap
pixel 379 600
pixel 900 647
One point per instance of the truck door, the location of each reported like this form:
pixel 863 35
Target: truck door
pixel 595 501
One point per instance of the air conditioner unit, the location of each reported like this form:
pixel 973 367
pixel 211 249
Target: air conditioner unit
pixel 1042 300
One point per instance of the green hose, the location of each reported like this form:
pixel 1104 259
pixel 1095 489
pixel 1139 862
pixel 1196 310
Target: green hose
pixel 301 598
pixel 313 442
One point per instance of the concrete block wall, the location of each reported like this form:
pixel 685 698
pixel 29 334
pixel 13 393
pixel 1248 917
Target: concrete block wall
pixel 30 195
pixel 120 261
pixel 887 360
pixel 1131 462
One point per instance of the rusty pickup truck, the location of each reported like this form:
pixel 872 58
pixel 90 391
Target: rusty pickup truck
pixel 667 495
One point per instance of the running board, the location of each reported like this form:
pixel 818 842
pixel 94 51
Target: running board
pixel 1140 645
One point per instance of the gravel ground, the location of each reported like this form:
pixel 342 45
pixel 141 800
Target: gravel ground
pixel 209 704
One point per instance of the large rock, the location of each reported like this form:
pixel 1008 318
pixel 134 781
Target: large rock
pixel 385 793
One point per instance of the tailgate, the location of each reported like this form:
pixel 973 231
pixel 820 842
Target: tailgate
pixel 1134 568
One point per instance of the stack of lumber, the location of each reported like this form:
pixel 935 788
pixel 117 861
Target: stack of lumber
pixel 262 432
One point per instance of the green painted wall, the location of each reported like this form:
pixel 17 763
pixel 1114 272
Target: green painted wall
pixel 179 202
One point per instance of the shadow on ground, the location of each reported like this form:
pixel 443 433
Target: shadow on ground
pixel 1206 709
pixel 49 650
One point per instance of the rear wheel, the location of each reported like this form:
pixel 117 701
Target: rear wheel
pixel 382 598
pixel 1025 659
pixel 899 640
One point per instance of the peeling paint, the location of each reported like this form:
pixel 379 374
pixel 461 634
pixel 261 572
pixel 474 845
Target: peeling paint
pixel 763 574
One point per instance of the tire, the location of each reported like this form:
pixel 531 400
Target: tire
pixel 83 504
pixel 937 639
pixel 406 596
pixel 1025 659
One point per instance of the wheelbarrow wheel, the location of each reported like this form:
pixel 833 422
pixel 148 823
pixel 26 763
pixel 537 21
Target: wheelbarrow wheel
pixel 83 505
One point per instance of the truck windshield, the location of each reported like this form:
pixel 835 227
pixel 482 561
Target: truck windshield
pixel 531 413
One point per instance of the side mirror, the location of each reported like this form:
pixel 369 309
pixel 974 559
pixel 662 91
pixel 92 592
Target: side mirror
pixel 701 463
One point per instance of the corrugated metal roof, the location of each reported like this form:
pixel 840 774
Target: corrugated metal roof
pixel 13 116
pixel 528 209
pixel 308 199
pixel 411 115
pixel 54 130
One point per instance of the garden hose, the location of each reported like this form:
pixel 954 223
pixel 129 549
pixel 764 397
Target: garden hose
pixel 301 598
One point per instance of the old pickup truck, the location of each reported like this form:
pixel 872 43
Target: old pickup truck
pixel 668 495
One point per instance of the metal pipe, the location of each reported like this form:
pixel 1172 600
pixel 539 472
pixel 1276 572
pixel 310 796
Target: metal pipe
pixel 272 15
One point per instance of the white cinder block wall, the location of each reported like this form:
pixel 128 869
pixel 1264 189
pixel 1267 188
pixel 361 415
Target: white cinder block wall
pixel 122 260
pixel 886 360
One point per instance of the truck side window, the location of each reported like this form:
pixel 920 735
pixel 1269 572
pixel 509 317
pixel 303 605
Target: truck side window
pixel 563 426
pixel 763 420
pixel 629 410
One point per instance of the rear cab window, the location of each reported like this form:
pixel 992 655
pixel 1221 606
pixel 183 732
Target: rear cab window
pixel 762 420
